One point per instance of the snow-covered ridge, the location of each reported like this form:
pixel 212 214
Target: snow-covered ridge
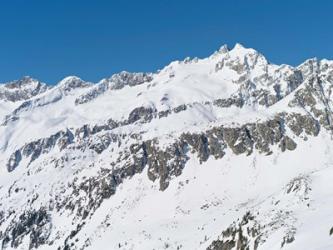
pixel 224 152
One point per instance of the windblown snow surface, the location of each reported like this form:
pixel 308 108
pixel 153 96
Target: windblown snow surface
pixel 226 152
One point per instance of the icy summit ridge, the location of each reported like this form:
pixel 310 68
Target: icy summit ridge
pixel 26 80
pixel 239 57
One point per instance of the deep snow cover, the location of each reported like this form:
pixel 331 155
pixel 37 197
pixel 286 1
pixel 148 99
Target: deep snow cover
pixel 220 153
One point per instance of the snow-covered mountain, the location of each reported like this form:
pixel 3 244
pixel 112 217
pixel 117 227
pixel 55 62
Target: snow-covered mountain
pixel 221 153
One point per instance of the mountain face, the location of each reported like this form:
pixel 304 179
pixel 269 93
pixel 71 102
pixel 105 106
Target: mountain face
pixel 221 153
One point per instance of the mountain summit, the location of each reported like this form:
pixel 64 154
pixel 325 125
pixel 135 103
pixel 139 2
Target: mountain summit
pixel 220 153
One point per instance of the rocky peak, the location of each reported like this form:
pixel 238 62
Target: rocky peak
pixel 310 66
pixel 247 56
pixel 116 81
pixel 21 83
pixel 22 89
pixel 72 82
pixel 124 78
pixel 223 49
pixel 239 46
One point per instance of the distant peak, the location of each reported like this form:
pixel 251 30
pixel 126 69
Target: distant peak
pixel 224 49
pixel 237 49
pixel 72 82
pixel 70 79
pixel 238 46
pixel 24 82
pixel 124 78
pixel 313 59
pixel 28 78
pixel 240 51
pixel 21 89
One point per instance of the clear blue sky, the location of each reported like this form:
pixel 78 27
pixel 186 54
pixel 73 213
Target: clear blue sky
pixel 94 39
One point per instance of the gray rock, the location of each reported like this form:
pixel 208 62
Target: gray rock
pixel 35 223
pixel 302 123
pixel 145 114
pixel 238 139
pixel 237 236
pixel 287 143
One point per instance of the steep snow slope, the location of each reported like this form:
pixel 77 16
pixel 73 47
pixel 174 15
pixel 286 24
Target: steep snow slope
pixel 225 152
